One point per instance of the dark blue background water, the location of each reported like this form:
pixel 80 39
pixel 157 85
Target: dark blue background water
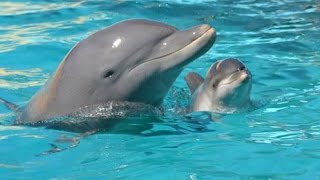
pixel 277 40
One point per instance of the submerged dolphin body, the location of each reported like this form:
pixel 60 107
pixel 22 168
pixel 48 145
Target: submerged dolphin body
pixel 226 87
pixel 134 61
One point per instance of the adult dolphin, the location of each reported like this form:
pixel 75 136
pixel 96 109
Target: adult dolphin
pixel 226 87
pixel 134 60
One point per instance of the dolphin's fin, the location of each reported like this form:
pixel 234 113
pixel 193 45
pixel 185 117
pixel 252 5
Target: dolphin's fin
pixel 9 105
pixel 193 80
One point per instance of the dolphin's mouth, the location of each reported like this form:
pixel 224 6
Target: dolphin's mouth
pixel 208 34
pixel 210 30
pixel 240 76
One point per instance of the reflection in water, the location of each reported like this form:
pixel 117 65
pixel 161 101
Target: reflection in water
pixel 10 78
pixel 91 17
pixel 14 36
pixel 17 8
pixel 18 85
pixel 10 166
pixel 284 138
pixel 27 72
pixel 22 35
pixel 278 40
pixel 12 128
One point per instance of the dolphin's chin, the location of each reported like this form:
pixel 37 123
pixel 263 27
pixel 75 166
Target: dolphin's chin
pixel 235 94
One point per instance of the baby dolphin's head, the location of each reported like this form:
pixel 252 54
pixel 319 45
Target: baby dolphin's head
pixel 229 83
pixel 226 87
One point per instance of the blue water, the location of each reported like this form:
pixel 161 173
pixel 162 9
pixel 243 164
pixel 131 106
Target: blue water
pixel 279 41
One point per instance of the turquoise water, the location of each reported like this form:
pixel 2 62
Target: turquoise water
pixel 277 40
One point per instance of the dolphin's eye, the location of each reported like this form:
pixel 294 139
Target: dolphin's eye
pixel 241 68
pixel 108 74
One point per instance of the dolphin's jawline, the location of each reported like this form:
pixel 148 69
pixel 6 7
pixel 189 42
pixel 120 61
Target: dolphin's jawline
pixel 238 72
pixel 182 48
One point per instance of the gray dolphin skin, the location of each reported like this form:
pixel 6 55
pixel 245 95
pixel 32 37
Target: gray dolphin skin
pixel 133 60
pixel 225 89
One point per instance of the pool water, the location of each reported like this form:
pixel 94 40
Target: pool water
pixel 279 41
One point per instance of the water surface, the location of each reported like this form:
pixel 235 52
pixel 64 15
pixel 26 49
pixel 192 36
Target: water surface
pixel 277 40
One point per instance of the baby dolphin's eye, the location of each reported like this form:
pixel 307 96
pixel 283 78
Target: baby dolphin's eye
pixel 108 74
pixel 241 68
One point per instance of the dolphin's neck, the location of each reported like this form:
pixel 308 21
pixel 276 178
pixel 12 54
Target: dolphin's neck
pixel 37 108
pixel 202 101
pixel 230 108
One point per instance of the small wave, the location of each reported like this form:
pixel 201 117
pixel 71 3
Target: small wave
pixel 117 109
pixel 285 138
pixel 26 72
pixel 9 166
pixel 19 85
pixel 12 128
pixel 36 76
pixel 101 117
pixel 17 8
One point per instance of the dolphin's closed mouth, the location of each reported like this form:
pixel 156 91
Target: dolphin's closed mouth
pixel 209 32
pixel 241 74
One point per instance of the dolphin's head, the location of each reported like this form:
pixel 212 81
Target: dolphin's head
pixel 134 60
pixel 228 82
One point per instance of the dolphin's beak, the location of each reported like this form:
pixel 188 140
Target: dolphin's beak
pixel 205 37
pixel 198 37
pixel 205 40
pixel 182 47
pixel 245 75
pixel 198 32
pixel 240 76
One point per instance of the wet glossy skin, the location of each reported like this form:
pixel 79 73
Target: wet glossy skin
pixel 226 88
pixel 134 60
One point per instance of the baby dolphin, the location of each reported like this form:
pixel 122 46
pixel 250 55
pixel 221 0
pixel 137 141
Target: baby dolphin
pixel 134 60
pixel 226 87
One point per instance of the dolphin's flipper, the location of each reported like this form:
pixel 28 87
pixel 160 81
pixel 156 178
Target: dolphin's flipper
pixel 193 80
pixel 9 105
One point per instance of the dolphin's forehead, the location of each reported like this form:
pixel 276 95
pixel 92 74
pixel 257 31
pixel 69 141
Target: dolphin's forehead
pixel 231 64
pixel 137 32
pixel 227 67
pixel 142 23
pixel 130 36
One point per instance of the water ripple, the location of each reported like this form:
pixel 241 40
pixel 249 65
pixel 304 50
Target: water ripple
pixel 16 79
pixel 19 8
pixel 276 39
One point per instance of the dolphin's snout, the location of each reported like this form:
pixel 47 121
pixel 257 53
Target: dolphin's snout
pixel 202 30
pixel 211 32
pixel 245 75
